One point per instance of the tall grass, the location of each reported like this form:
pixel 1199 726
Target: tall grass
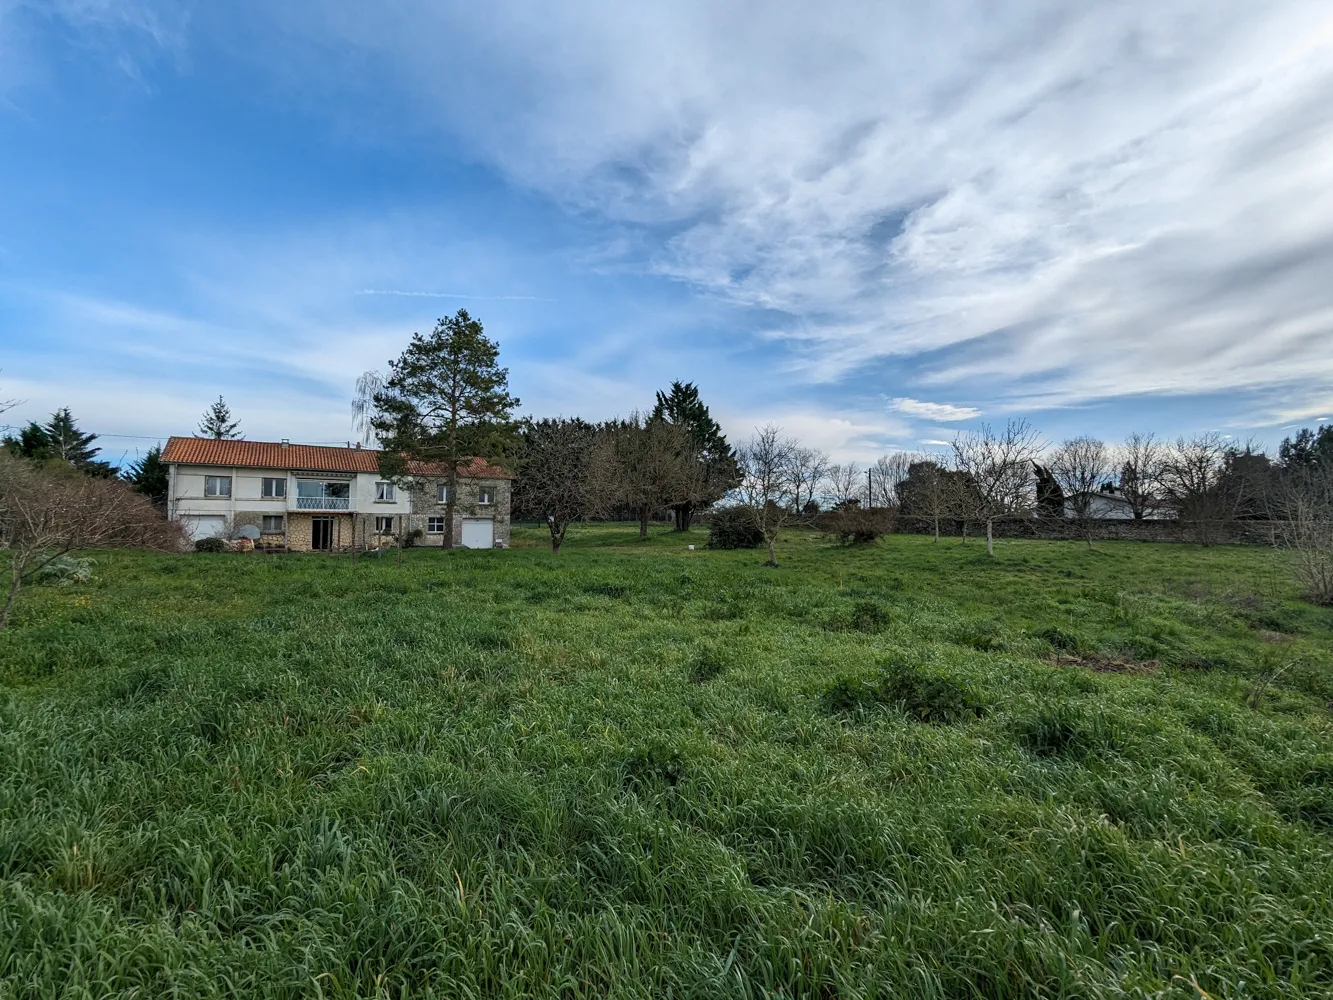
pixel 618 773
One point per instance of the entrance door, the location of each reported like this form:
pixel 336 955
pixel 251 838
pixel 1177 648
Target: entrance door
pixel 478 533
pixel 321 533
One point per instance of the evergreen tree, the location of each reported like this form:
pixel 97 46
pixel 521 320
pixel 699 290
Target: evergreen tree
pixel 1308 448
pixel 446 401
pixel 149 476
pixel 218 424
pixel 714 459
pixel 66 442
pixel 31 443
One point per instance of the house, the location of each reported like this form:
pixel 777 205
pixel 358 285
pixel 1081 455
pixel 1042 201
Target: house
pixel 312 497
pixel 1104 505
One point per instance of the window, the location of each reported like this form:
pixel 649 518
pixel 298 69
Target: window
pixel 384 491
pixel 483 497
pixel 272 523
pixel 435 525
pixel 217 486
pixel 273 488
pixel 442 493
pixel 384 526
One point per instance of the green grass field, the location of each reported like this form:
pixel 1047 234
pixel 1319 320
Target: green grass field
pixel 637 771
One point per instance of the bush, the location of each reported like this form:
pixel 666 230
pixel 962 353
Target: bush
pixel 210 545
pixel 65 570
pixel 854 525
pixel 708 663
pixel 734 528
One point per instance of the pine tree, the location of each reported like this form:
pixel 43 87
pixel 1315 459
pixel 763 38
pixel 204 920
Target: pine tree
pixel 715 462
pixel 218 424
pixel 31 443
pixel 446 401
pixel 149 476
pixel 66 442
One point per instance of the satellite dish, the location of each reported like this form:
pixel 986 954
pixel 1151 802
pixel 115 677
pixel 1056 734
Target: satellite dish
pixel 248 531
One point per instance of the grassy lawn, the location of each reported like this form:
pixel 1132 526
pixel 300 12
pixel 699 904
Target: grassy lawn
pixel 638 771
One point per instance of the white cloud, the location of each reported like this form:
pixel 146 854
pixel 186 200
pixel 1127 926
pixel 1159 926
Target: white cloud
pixel 939 412
pixel 1118 198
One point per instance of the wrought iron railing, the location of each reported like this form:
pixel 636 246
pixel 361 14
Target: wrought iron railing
pixel 323 503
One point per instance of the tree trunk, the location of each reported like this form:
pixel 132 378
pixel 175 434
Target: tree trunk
pixel 12 596
pixel 772 553
pixel 400 540
pixel 990 538
pixel 937 527
pixel 643 522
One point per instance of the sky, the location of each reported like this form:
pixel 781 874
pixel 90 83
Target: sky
pixel 873 223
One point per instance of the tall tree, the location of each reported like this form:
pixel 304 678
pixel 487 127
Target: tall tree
pixel 1081 467
pixel 554 480
pixel 446 401
pixel 66 442
pixel 716 469
pixel 217 422
pixel 31 443
pixel 1308 448
pixel 149 476
pixel 1141 474
pixel 644 465
pixel 767 486
pixel 998 468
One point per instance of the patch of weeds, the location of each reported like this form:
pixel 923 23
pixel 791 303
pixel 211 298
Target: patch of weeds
pixel 607 588
pixel 1062 730
pixel 921 693
pixel 708 663
pixel 139 685
pixel 869 617
pixel 984 635
pixel 1062 640
pixel 651 768
pixel 64 571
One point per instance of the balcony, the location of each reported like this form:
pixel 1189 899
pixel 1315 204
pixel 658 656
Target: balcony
pixel 323 503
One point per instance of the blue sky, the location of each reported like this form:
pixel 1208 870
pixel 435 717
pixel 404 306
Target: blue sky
pixel 872 223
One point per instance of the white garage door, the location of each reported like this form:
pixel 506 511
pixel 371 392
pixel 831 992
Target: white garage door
pixel 478 533
pixel 204 525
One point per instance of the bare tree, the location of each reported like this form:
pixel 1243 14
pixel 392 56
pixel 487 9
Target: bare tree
pixel 845 485
pixel 767 486
pixel 642 464
pixel 997 474
pixel 1191 479
pixel 1141 473
pixel 46 512
pixel 555 480
pixel 1081 466
pixel 1305 504
pixel 887 475
pixel 810 467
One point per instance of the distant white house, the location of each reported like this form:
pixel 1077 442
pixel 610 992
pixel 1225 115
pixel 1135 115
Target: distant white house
pixel 308 497
pixel 1105 505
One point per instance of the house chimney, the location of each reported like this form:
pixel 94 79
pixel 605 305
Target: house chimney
pixel 285 442
pixel 358 446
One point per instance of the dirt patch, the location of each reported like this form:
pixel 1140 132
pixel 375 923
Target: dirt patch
pixel 1267 636
pixel 1104 664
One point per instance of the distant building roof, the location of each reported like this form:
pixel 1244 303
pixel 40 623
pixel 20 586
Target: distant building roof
pixel 303 458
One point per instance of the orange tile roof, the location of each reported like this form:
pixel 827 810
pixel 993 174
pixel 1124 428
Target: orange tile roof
pixel 302 458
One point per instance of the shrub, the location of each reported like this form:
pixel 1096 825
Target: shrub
pixel 1062 640
pixel 854 525
pixel 734 528
pixel 65 570
pixel 210 545
pixel 929 695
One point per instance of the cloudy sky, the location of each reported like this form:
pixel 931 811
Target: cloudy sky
pixel 874 223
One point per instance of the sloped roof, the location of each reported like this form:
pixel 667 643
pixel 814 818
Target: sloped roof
pixel 302 458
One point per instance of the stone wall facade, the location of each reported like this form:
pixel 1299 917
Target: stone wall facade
pixel 357 530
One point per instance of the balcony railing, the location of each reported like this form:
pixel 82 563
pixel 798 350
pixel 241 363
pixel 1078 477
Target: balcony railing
pixel 323 503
